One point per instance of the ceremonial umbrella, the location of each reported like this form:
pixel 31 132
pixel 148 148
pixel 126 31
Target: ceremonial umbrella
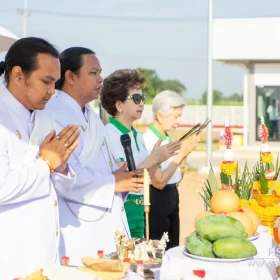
pixel 6 39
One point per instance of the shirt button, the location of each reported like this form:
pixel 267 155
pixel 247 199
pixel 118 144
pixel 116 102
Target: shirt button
pixel 122 208
pixel 102 143
pixel 55 203
pixel 57 231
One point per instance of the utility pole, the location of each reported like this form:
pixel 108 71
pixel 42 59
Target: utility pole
pixel 209 86
pixel 24 12
pixel 25 16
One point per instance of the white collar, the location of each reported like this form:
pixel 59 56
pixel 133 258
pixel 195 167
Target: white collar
pixel 73 104
pixel 68 99
pixel 64 108
pixel 15 106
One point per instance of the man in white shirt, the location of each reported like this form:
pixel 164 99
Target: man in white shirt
pixel 92 210
pixel 29 226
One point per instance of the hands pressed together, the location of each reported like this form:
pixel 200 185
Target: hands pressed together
pixel 57 149
pixel 175 148
pixel 164 152
pixel 188 146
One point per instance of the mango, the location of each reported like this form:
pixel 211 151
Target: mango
pixel 199 246
pixel 215 227
pixel 234 248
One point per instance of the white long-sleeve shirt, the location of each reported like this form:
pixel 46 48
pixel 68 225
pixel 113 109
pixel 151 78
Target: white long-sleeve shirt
pixel 29 225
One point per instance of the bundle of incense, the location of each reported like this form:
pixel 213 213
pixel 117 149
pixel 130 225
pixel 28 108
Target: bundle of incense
pixel 206 122
pixel 195 130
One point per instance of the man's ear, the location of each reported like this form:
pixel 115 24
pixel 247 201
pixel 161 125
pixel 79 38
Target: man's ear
pixel 70 77
pixel 17 75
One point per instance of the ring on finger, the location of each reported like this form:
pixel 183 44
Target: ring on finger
pixel 57 137
pixel 66 144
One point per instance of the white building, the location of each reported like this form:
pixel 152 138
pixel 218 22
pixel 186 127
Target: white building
pixel 253 43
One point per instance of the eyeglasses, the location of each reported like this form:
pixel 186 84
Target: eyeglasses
pixel 137 97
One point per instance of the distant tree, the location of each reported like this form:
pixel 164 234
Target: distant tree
pixel 217 97
pixel 154 84
pixel 236 97
pixel 174 85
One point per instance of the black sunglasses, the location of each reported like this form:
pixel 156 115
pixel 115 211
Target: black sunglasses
pixel 137 97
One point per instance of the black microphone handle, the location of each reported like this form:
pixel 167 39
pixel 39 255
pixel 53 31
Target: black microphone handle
pixel 129 158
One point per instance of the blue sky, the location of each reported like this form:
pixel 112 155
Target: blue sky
pixel 175 49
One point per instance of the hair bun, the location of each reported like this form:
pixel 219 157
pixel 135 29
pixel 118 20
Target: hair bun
pixel 2 67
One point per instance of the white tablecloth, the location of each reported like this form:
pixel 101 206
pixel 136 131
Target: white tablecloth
pixel 176 265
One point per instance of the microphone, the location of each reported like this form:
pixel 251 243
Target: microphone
pixel 126 143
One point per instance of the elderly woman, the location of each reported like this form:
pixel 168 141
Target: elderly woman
pixel 164 212
pixel 123 99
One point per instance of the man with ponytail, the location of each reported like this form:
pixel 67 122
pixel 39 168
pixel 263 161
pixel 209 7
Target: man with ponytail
pixel 29 226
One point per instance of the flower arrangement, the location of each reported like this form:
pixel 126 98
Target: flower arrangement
pixel 261 211
pixel 230 176
pixel 242 182
pixel 228 166
pixel 266 179
pixel 258 189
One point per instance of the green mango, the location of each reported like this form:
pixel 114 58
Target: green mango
pixel 234 248
pixel 199 246
pixel 215 227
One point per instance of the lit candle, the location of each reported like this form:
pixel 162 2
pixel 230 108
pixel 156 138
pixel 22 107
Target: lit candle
pixel 146 188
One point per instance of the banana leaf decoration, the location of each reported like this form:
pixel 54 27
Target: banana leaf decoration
pixel 210 187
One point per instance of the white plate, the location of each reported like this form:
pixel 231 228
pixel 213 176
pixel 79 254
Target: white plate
pixel 254 237
pixel 213 259
pixel 262 228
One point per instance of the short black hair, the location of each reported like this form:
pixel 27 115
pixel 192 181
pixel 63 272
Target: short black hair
pixel 24 53
pixel 71 59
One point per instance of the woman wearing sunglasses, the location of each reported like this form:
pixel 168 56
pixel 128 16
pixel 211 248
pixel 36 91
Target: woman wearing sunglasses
pixel 122 98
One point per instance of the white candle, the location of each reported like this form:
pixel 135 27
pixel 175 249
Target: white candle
pixel 146 187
